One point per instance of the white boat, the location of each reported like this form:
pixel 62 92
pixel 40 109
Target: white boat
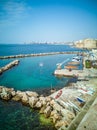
pixel 77 59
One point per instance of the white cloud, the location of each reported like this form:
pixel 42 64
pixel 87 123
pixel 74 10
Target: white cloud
pixel 13 11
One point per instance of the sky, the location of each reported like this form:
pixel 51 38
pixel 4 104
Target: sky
pixel 47 20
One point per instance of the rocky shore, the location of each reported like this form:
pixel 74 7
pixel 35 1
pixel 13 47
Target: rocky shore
pixel 38 54
pixel 8 66
pixel 61 109
pixel 46 105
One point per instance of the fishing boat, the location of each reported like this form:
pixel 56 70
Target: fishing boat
pixel 58 94
pixel 74 63
pixel 70 67
pixel 76 58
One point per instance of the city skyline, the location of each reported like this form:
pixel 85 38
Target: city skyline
pixel 47 20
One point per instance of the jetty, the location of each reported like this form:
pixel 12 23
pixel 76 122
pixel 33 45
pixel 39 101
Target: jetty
pixel 38 54
pixel 85 73
pixel 9 66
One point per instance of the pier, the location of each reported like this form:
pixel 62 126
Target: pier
pixel 38 54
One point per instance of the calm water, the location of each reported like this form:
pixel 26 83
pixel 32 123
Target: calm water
pixel 14 49
pixel 32 73
pixel 15 116
pixel 29 74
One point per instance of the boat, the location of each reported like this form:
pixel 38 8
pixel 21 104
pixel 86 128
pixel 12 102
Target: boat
pixel 58 94
pixel 74 63
pixel 70 67
pixel 80 100
pixel 76 58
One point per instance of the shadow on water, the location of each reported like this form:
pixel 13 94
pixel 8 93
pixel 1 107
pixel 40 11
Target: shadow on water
pixel 15 116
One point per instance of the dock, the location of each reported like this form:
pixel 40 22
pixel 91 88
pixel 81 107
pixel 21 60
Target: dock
pixel 66 72
pixel 85 73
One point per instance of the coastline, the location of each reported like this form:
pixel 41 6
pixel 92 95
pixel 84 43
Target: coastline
pixel 53 107
pixel 62 109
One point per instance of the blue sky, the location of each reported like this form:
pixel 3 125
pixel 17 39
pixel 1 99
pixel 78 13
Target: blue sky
pixel 47 20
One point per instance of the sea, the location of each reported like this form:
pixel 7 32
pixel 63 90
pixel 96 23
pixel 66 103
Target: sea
pixel 32 73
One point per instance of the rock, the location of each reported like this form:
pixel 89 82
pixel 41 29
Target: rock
pixel 43 100
pixel 47 111
pixel 38 104
pixel 32 94
pixel 0 71
pixel 55 116
pixel 5 95
pixel 53 112
pixel 9 89
pixel 56 106
pixel 16 98
pixel 24 98
pixel 61 123
pixel 48 104
pixel 42 109
pixel 13 93
pixel 32 101
pixel 52 102
pixel 20 94
pixel 48 99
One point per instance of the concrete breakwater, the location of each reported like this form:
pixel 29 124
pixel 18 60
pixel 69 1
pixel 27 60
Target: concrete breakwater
pixel 46 105
pixel 38 54
pixel 8 66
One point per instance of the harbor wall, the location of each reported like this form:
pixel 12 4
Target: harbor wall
pixel 9 66
pixel 38 54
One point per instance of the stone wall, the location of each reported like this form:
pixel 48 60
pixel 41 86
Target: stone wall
pixel 8 66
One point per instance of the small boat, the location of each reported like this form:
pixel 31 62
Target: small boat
pixel 74 63
pixel 76 58
pixel 58 94
pixel 70 67
pixel 80 100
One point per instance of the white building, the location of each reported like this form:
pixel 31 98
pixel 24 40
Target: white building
pixel 87 43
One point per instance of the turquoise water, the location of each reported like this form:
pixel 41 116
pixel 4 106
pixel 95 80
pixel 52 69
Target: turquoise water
pixel 14 49
pixel 30 75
